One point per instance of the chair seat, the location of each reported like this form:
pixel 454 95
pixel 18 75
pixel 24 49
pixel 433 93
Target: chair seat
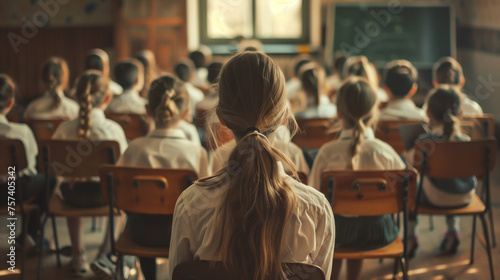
pixel 126 246
pixel 475 207
pixel 58 207
pixel 393 250
pixel 28 208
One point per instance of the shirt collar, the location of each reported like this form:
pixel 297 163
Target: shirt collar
pixel 59 92
pixel 346 134
pixel 167 133
pixel 132 92
pixel 404 103
pixel 3 119
pixel 97 115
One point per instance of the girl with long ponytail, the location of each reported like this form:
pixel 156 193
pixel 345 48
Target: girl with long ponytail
pixel 357 149
pixel 252 215
pixel 444 111
pixel 93 94
pixel 53 104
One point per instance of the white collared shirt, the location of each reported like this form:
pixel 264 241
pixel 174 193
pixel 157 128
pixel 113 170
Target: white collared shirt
pixel 326 109
pixel 129 102
pixel 101 128
pixel 373 154
pixel 190 131
pixel 21 132
pixel 201 77
pixel 402 109
pixel 220 156
pixel 471 107
pixel 41 108
pixel 195 97
pixel 308 238
pixel 166 148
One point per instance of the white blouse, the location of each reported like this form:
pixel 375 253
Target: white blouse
pixel 309 238
pixel 129 102
pixel 41 108
pixel 402 109
pixel 190 131
pixel 373 154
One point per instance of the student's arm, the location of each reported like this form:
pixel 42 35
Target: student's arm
pixel 181 238
pixel 325 238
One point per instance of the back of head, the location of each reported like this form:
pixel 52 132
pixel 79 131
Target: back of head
pixel 447 71
pixel 91 90
pixel 213 72
pixel 55 75
pixel 201 57
pixel 312 78
pixel 184 70
pixel 128 73
pixel 399 77
pixel 299 62
pixel 357 105
pixel 361 67
pixel 7 90
pixel 168 100
pixel 443 105
pixel 259 201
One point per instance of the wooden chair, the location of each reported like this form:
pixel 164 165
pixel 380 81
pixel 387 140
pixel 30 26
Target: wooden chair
pixel 478 126
pixel 372 193
pixel 205 270
pixel 73 159
pixel 145 191
pixel 134 125
pixel 14 156
pixel 388 131
pixel 459 160
pixel 315 133
pixel 44 129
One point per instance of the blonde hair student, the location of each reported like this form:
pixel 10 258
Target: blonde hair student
pixel 357 149
pixel 93 94
pixel 251 215
pixel 360 66
pixel 53 104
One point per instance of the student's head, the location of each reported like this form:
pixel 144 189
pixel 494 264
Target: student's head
pixel 185 70
pixel 299 62
pixel 338 62
pixel 55 76
pixel 361 67
pixel 213 72
pixel 97 59
pixel 443 108
pixel 357 107
pixel 400 79
pixel 201 57
pixel 129 74
pixel 447 71
pixel 168 101
pixel 7 92
pixel 312 79
pixel 92 91
pixel 258 203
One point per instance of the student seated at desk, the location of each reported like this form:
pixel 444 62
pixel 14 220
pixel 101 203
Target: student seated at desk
pixel 130 75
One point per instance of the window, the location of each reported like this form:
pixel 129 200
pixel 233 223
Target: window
pixel 270 21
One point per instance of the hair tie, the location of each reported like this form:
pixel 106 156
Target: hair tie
pixel 251 129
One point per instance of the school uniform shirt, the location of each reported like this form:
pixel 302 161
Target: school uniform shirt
pixel 195 97
pixel 308 238
pixel 382 94
pixel 115 88
pixel 129 102
pixel 471 107
pixel 326 109
pixel 373 154
pixel 293 87
pixel 190 132
pixel 220 156
pixel 21 132
pixel 41 108
pixel 402 109
pixel 166 148
pixel 201 77
pixel 101 128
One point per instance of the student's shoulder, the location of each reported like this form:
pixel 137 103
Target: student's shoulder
pixel 379 147
pixel 308 198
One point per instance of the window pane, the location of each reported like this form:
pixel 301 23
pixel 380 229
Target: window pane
pixel 279 18
pixel 229 18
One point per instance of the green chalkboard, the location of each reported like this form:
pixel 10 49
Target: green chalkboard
pixel 420 34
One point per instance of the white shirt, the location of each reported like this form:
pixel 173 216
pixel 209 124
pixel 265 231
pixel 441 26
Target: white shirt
pixel 21 132
pixel 309 238
pixel 190 131
pixel 293 87
pixel 41 108
pixel 326 109
pixel 166 148
pixel 129 102
pixel 195 97
pixel 382 94
pixel 101 128
pixel 373 154
pixel 471 107
pixel 201 77
pixel 115 88
pixel 220 156
pixel 402 109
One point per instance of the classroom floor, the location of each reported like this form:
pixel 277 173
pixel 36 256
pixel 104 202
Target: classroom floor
pixel 427 263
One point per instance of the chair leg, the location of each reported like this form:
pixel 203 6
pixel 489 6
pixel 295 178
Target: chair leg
pixel 56 240
pixel 404 267
pixel 395 271
pixel 431 223
pixel 488 245
pixel 40 243
pixel 492 228
pixel 119 267
pixel 473 240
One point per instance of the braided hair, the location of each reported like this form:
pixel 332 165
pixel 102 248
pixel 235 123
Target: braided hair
pixel 55 74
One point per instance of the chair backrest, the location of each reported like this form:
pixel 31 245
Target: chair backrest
pixel 134 125
pixel 76 158
pixel 204 270
pixel 313 133
pixel 13 153
pixel 388 131
pixel 44 129
pixel 455 159
pixel 368 193
pixel 143 189
pixel 478 126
